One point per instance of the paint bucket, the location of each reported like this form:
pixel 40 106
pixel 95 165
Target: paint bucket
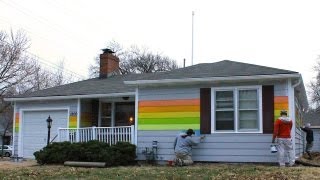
pixel 170 162
pixel 273 149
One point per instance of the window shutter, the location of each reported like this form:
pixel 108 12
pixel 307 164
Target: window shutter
pixel 205 111
pixel 267 109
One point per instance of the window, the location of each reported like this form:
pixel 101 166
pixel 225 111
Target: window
pixel 236 109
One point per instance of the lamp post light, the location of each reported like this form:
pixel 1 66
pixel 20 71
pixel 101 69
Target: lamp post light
pixel 49 123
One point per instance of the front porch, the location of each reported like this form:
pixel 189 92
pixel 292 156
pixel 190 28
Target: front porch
pixel 110 135
pixel 106 119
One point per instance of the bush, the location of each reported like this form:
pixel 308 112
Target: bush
pixel 122 153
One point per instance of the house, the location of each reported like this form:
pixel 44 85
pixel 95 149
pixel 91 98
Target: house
pixel 313 117
pixel 234 104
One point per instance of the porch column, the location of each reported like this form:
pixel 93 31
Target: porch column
pixel 113 114
pixel 78 120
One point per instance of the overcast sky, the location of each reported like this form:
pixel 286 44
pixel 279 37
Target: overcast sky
pixel 277 33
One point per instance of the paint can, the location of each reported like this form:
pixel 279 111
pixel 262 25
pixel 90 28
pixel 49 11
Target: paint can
pixel 273 148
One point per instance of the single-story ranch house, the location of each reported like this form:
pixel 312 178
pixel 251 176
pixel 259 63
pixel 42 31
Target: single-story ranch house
pixel 234 104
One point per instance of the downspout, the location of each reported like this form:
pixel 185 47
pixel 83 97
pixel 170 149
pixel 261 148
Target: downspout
pixel 293 107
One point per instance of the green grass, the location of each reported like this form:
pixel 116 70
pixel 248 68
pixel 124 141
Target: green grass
pixel 198 171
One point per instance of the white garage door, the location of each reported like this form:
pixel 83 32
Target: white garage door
pixel 35 131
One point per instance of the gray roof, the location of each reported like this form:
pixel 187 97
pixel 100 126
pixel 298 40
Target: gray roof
pixel 225 68
pixel 116 84
pixel 91 86
pixel 312 117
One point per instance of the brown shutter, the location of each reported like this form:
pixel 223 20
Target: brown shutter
pixel 267 109
pixel 205 111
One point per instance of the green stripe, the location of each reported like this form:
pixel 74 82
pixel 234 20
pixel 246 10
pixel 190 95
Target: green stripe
pixel 187 120
pixel 169 127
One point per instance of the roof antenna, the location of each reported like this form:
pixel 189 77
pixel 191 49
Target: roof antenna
pixel 192 40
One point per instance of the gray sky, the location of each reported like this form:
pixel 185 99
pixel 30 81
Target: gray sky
pixel 277 33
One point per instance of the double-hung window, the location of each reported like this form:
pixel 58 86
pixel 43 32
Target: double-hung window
pixel 236 109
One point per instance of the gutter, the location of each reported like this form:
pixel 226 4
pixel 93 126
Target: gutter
pixel 70 97
pixel 212 79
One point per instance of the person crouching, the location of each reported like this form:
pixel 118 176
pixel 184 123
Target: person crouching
pixel 183 147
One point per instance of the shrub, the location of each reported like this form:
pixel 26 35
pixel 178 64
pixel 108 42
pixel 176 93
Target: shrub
pixel 122 153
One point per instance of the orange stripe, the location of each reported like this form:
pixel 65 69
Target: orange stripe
pixel 281 106
pixel 281 99
pixel 170 109
pixel 180 102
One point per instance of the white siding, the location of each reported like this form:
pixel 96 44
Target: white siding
pixel 316 141
pixel 216 147
pixel 35 132
pixel 71 104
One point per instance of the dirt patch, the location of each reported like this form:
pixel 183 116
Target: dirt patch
pixel 315 158
pixel 7 163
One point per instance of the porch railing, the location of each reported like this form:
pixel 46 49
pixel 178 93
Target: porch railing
pixel 110 135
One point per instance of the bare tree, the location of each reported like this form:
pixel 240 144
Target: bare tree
pixel 21 73
pixel 136 60
pixel 315 87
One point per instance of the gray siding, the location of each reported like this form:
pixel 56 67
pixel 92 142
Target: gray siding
pixel 316 141
pixel 299 142
pixel 216 147
pixel 71 104
pixel 165 94
pixel 281 89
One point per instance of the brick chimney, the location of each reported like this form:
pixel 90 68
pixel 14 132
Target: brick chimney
pixel 109 64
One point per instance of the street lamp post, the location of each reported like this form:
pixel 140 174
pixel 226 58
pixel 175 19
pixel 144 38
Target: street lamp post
pixel 49 123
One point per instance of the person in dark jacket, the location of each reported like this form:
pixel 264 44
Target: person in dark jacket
pixel 309 138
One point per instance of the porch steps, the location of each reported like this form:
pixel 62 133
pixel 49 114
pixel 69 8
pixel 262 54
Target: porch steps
pixel 84 164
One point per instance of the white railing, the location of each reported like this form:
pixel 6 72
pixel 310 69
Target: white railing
pixel 110 135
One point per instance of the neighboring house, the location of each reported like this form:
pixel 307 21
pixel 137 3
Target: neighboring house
pixel 313 117
pixel 234 104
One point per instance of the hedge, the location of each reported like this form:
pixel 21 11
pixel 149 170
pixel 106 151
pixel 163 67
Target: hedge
pixel 122 153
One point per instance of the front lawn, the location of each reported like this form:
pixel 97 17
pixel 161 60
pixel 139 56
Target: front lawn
pixel 198 171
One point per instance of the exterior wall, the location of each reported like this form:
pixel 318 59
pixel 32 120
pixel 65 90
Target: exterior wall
pixel 216 147
pixel 299 134
pixel 281 100
pixel 71 104
pixel 316 141
pixel 161 117
pixel 169 109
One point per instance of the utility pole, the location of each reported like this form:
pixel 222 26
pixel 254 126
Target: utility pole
pixel 192 39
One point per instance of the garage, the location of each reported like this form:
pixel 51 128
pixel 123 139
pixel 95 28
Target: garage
pixel 35 131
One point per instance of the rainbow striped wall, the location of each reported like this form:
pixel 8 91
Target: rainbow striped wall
pixel 280 103
pixel 73 121
pixel 16 123
pixel 173 114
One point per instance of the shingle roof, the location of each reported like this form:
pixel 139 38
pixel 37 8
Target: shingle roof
pixel 225 68
pixel 312 117
pixel 116 84
pixel 91 86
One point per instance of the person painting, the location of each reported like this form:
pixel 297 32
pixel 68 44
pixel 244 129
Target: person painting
pixel 183 147
pixel 309 138
pixel 282 132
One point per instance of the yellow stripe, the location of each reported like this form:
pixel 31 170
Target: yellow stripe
pixel 72 121
pixel 169 127
pixel 169 115
pixel 169 109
